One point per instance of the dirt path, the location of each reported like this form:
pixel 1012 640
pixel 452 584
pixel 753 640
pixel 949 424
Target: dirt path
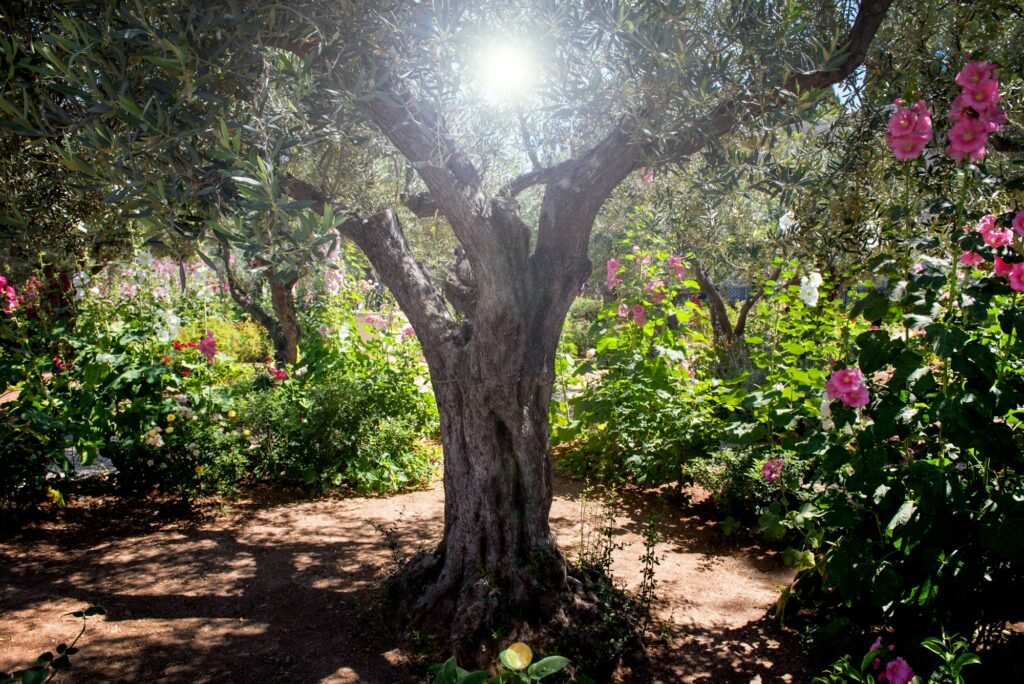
pixel 283 591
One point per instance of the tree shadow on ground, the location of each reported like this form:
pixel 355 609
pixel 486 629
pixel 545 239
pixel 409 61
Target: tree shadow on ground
pixel 759 651
pixel 274 603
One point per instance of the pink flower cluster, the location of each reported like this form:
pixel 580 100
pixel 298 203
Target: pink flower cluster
pixel 279 374
pixel 772 468
pixel 997 237
pixel 897 670
pixel 909 130
pixel 8 297
pixel 847 385
pixel 613 269
pixel 208 346
pixel 974 112
pixel 676 264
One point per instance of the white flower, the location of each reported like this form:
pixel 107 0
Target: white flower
pixel 168 329
pixel 786 222
pixel 809 285
pixel 826 413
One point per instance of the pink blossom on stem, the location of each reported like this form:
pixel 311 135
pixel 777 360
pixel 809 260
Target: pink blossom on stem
pixel 909 130
pixel 613 269
pixel 993 235
pixel 967 138
pixel 847 385
pixel 1016 277
pixel 972 259
pixel 974 73
pixel 676 264
pixel 208 346
pixel 639 315
pixel 772 468
pixel 623 311
pixel 982 96
pixel 897 671
pixel 1001 268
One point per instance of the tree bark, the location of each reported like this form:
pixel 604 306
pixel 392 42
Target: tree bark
pixel 498 563
pixel 282 327
pixel 285 333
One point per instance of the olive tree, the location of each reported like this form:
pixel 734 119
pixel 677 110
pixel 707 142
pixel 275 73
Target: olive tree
pixel 171 101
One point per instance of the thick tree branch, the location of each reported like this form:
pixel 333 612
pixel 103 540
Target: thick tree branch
pixel 243 298
pixel 741 318
pixel 380 238
pixel 450 176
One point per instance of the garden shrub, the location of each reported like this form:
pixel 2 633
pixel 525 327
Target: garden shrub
pixel 356 415
pixel 641 413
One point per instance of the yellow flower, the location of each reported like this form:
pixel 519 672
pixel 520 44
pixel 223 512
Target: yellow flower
pixel 171 417
pixel 246 433
pixel 517 656
pixel 169 429
pixel 199 470
pixel 232 414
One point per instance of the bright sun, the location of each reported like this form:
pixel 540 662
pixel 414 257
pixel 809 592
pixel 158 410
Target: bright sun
pixel 505 71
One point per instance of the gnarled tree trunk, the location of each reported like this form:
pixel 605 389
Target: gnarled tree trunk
pixel 492 368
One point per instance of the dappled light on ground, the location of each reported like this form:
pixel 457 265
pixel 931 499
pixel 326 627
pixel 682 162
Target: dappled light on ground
pixel 287 590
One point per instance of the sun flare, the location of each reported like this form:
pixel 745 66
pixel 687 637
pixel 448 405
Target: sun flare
pixel 506 71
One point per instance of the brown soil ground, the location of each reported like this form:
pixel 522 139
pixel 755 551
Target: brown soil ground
pixel 272 588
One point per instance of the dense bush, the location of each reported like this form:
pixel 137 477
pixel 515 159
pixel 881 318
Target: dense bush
pixel 637 411
pixel 176 390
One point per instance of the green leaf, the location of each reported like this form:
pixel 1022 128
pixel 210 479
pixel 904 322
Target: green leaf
pixel 547 666
pixel 873 307
pixel 903 515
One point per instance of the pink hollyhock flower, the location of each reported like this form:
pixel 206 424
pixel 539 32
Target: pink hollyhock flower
pixel 974 73
pixel 8 299
pixel 1001 268
pixel 676 264
pixel 408 331
pixel 208 346
pixel 897 671
pixel 277 373
pixel 1016 277
pixel 907 147
pixel 993 236
pixel 856 398
pixel 613 268
pixel 1018 223
pixel 659 296
pixel 982 97
pixel 623 310
pixel 374 321
pixel 972 259
pixel 639 315
pixel 876 645
pixel 58 364
pixel 902 123
pixel 909 130
pixel 967 138
pixel 646 260
pixel 772 468
pixel 1000 237
pixel 847 385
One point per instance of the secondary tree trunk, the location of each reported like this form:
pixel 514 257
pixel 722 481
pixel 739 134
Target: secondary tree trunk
pixel 285 332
